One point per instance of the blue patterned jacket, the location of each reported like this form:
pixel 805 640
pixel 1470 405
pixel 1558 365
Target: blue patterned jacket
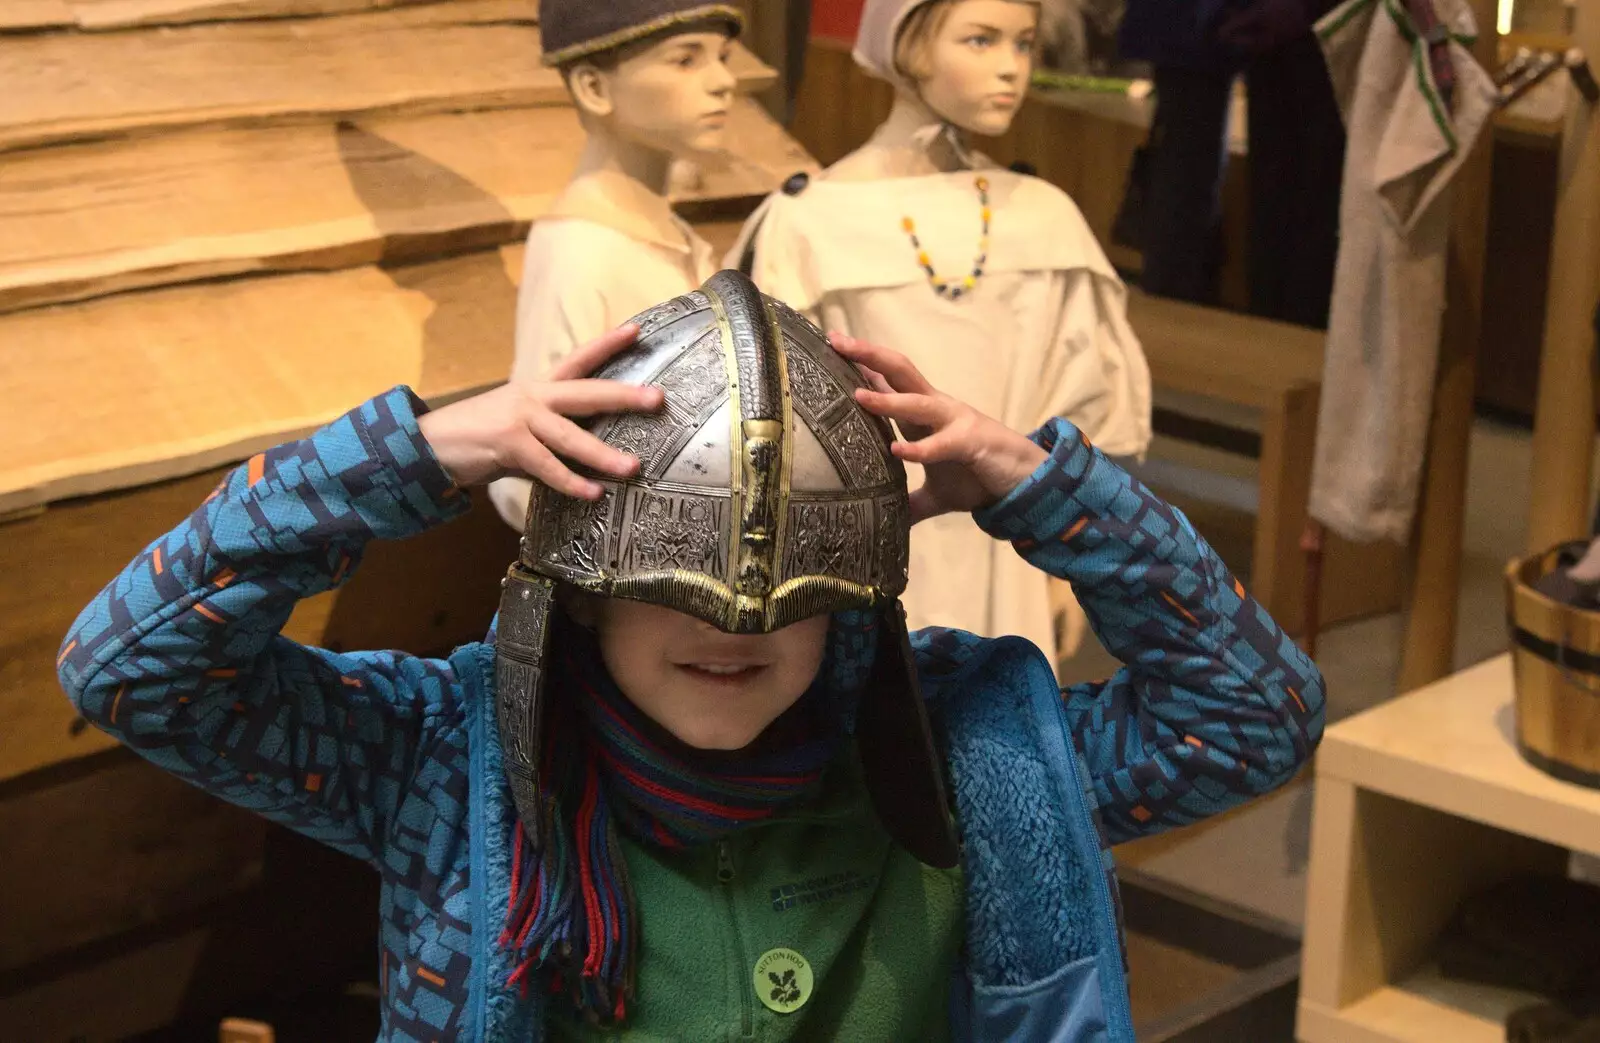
pixel 394 758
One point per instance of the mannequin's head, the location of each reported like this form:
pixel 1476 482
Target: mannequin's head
pixel 669 92
pixel 967 60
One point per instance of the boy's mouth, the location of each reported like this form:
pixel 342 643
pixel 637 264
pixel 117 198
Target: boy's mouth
pixel 722 671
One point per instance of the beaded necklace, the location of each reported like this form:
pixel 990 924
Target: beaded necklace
pixel 947 288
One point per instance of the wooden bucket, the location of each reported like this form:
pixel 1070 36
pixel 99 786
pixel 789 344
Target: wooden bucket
pixel 1555 656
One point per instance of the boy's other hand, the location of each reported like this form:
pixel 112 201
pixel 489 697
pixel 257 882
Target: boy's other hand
pixel 970 460
pixel 523 427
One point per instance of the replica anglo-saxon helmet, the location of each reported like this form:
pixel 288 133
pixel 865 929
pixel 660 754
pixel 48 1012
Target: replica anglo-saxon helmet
pixel 765 495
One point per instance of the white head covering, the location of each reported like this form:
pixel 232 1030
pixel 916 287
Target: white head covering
pixel 880 27
pixel 881 21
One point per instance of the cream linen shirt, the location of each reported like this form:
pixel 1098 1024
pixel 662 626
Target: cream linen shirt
pixel 590 266
pixel 1044 333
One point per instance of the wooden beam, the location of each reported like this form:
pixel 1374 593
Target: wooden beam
pixel 463 54
pixel 449 325
pixel 195 378
pixel 133 992
pixel 1559 507
pixel 89 219
pixel 1434 576
pixel 179 380
pixel 1243 359
pixel 103 853
pixel 31 15
pixel 198 967
pixel 55 562
pixel 244 1030
pixel 126 14
pixel 192 377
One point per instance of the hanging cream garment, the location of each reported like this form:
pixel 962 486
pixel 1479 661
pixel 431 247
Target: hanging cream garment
pixel 1044 333
pixel 1404 148
pixel 590 266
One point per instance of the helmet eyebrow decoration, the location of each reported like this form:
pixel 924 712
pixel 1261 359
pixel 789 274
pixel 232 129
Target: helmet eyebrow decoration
pixel 765 495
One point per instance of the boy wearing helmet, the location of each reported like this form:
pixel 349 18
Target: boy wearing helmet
pixel 699 782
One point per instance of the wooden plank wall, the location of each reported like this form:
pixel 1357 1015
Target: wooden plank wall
pixel 308 924
pixel 197 209
pixel 128 867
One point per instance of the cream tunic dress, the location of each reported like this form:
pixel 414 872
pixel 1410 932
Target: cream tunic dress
pixel 591 265
pixel 1043 333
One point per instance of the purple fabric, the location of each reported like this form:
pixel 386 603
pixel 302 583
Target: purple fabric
pixel 1216 35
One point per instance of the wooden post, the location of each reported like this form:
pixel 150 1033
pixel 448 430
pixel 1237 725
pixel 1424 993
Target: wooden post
pixel 778 34
pixel 243 1030
pixel 1434 578
pixel 1564 420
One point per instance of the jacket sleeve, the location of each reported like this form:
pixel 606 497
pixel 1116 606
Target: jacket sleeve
pixel 1214 704
pixel 181 656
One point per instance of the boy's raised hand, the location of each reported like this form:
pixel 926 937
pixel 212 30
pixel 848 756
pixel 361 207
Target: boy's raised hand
pixel 970 460
pixel 523 427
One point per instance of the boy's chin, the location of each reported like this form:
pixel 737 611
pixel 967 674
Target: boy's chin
pixel 721 736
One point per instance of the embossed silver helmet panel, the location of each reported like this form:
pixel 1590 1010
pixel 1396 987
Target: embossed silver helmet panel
pixel 766 494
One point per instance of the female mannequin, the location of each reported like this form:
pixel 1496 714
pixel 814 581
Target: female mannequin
pixel 990 280
pixel 651 85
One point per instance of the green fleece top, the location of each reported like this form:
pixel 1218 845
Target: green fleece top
pixel 878 932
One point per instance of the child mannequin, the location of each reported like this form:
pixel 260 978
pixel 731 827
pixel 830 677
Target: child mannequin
pixel 990 280
pixel 693 784
pixel 651 85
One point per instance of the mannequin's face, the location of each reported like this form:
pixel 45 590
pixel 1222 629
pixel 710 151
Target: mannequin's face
pixel 978 63
pixel 671 95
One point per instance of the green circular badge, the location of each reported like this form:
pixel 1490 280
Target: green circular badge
pixel 783 980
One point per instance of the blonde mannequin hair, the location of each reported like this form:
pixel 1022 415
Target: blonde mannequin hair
pixel 915 39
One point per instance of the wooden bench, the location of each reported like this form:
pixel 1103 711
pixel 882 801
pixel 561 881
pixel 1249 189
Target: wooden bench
pixel 1263 377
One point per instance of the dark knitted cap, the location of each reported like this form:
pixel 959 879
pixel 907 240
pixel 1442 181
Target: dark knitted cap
pixel 573 29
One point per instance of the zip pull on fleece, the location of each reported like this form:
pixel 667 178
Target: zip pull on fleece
pixel 724 863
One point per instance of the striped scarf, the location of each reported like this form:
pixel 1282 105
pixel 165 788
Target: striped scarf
pixel 612 768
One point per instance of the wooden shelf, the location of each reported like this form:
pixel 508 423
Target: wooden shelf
pixel 1452 746
pixel 1422 802
pixel 1425 1008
